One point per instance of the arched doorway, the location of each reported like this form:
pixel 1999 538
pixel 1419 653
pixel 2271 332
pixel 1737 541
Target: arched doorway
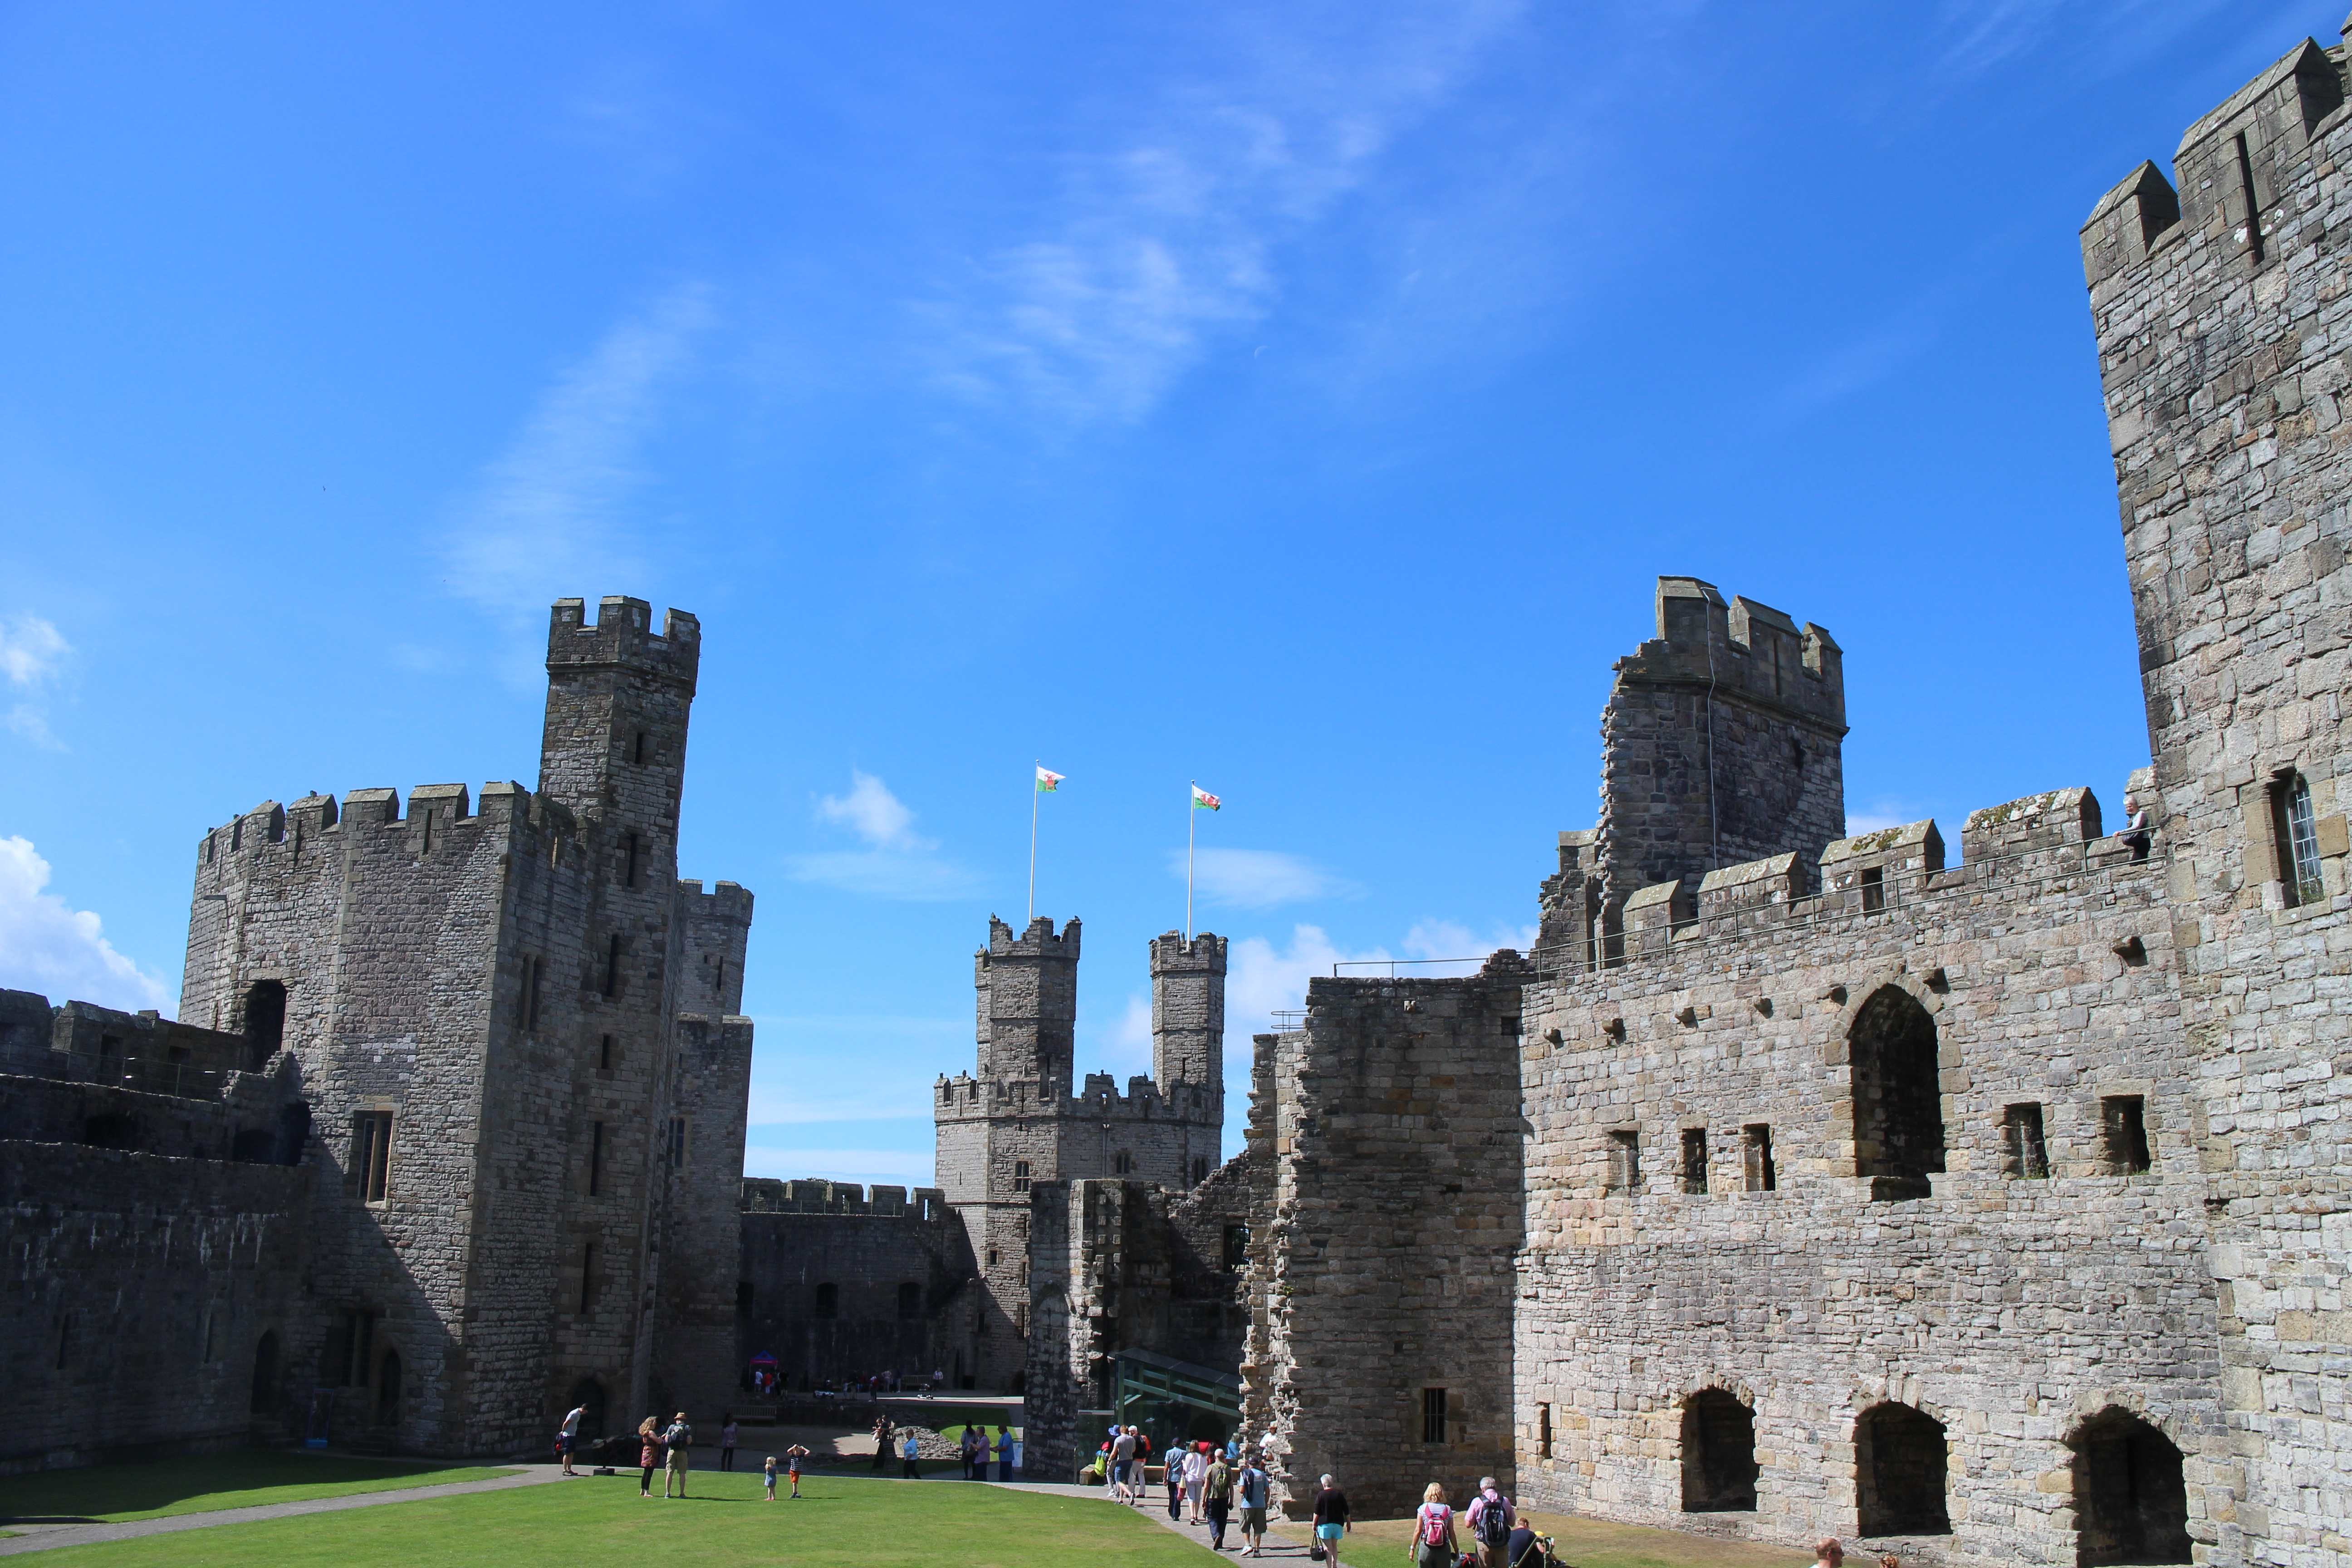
pixel 1898 1095
pixel 1901 1463
pixel 2130 1504
pixel 1718 1453
pixel 265 1374
pixel 387 1389
pixel 588 1398
pixel 265 1021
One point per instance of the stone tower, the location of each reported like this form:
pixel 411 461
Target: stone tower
pixel 1020 1119
pixel 2222 349
pixel 1721 743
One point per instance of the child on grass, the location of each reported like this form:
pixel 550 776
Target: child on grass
pixel 796 1454
pixel 770 1472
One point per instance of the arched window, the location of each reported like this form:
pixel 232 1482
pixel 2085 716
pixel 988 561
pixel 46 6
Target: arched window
pixel 910 1301
pixel 589 1395
pixel 387 1389
pixel 265 1374
pixel 2295 836
pixel 265 1021
pixel 2130 1505
pixel 1122 1164
pixel 1898 1096
pixel 828 1301
pixel 1718 1453
pixel 1900 1459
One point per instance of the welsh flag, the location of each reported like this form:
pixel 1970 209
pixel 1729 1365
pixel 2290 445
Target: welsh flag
pixel 1047 779
pixel 1203 801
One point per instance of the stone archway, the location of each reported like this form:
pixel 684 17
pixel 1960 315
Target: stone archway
pixel 1901 1470
pixel 2130 1502
pixel 1718 1453
pixel 1898 1094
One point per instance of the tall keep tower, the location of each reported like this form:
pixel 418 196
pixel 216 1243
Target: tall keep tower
pixel 1020 1119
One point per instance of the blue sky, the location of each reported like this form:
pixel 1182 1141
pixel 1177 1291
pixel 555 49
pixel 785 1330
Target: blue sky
pixel 1300 398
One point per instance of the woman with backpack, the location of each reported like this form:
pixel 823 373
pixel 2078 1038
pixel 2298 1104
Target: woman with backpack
pixel 1433 1533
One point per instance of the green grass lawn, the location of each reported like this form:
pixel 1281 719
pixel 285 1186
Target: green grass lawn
pixel 840 1522
pixel 238 1478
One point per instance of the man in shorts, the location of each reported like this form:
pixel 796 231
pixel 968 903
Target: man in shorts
pixel 1254 1485
pixel 569 1438
pixel 680 1439
pixel 1122 1466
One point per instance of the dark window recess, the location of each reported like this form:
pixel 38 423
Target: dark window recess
pixel 629 869
pixel 1236 1248
pixel 637 750
pixel 1593 925
pixel 828 1301
pixel 1755 1158
pixel 2295 836
pixel 587 1277
pixel 2123 1135
pixel 112 1131
pixel 2253 206
pixel 2023 1153
pixel 387 1389
pixel 1543 1431
pixel 65 1344
pixel 604 1052
pixel 255 1146
pixel 293 1132
pixel 595 1159
pixel 1873 890
pixel 612 965
pixel 1898 1098
pixel 370 1170
pixel 676 1143
pixel 746 1293
pixel 1200 1169
pixel 2130 1505
pixel 265 1374
pixel 1695 1159
pixel 528 994
pixel 1901 1465
pixel 589 1395
pixel 1122 1164
pixel 343 1362
pixel 1433 1415
pixel 1624 1163
pixel 910 1301
pixel 1718 1453
pixel 265 1021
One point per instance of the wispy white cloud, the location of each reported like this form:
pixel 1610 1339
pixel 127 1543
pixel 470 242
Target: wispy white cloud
pixel 550 512
pixel 896 863
pixel 61 952
pixel 1170 234
pixel 32 656
pixel 1258 878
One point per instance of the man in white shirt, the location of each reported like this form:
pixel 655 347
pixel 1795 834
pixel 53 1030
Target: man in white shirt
pixel 569 1436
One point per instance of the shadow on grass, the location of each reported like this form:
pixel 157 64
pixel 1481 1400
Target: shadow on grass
pixel 200 1482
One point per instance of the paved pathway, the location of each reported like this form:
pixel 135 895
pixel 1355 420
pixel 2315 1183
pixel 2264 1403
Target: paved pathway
pixel 47 1537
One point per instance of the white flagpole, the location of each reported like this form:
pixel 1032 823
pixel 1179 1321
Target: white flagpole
pixel 1033 793
pixel 1190 813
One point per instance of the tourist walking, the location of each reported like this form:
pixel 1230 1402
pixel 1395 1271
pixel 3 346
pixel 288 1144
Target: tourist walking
pixel 1220 1502
pixel 677 1441
pixel 727 1445
pixel 768 1472
pixel 1004 1452
pixel 793 1458
pixel 568 1438
pixel 1492 1518
pixel 1122 1461
pixel 1432 1530
pixel 1330 1520
pixel 1175 1483
pixel 882 1444
pixel 913 1471
pixel 649 1453
pixel 1255 1487
pixel 1196 1477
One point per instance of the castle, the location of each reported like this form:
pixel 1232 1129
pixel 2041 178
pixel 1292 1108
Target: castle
pixel 449 1136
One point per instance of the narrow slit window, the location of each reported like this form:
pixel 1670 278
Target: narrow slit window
pixel 1873 890
pixel 612 965
pixel 527 1007
pixel 629 872
pixel 2123 1133
pixel 587 1278
pixel 2025 1155
pixel 595 1159
pixel 1695 1160
pixel 604 1052
pixel 2254 249
pixel 1756 1157
pixel 370 1167
pixel 1236 1248
pixel 1122 1164
pixel 1433 1415
pixel 2295 835
pixel 1543 1431
pixel 637 752
pixel 1624 1163
pixel 678 1143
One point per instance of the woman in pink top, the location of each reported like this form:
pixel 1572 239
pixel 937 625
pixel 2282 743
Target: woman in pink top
pixel 1433 1545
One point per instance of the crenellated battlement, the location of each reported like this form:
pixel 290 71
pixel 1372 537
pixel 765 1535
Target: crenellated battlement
pixel 445 808
pixel 766 1194
pixel 725 901
pixel 622 636
pixel 1742 648
pixel 1038 942
pixel 966 1097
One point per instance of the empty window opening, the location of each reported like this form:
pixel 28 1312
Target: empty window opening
pixel 1237 1237
pixel 112 1131
pixel 1122 1164
pixel 1756 1169
pixel 1612 934
pixel 676 1143
pixel 604 1052
pixel 1718 1453
pixel 2295 836
pixel 638 749
pixel 595 1159
pixel 387 1389
pixel 1543 1431
pixel 588 1398
pixel 1898 1102
pixel 1873 890
pixel 992 1257
pixel 910 1301
pixel 2123 1135
pixel 527 994
pixel 587 1277
pixel 1899 1462
pixel 265 1021
pixel 612 965
pixel 293 1132
pixel 370 1170
pixel 718 981
pixel 1200 1169
pixel 1593 925
pixel 265 1374
pixel 1695 1159
pixel 2253 210
pixel 254 1146
pixel 2130 1505
pixel 1433 1415
pixel 1624 1163
pixel 2023 1153
pixel 745 1294
pixel 343 1362
pixel 828 1301
pixel 1020 1175
pixel 629 871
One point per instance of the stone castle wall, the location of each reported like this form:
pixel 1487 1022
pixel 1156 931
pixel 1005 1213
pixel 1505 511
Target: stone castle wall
pixel 827 1269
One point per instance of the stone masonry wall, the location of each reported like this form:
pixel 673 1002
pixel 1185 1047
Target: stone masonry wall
pixel 868 1252
pixel 2223 313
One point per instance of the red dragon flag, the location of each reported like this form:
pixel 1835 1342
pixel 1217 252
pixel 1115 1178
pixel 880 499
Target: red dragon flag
pixel 1203 801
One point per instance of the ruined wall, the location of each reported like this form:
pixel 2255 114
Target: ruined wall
pixel 2218 303
pixel 1392 1126
pixel 798 1238
pixel 1859 1265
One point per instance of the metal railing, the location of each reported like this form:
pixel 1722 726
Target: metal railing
pixel 1392 962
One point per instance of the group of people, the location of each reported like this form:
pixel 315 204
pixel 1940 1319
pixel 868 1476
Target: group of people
pixel 1206 1484
pixel 881 1383
pixel 671 1447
